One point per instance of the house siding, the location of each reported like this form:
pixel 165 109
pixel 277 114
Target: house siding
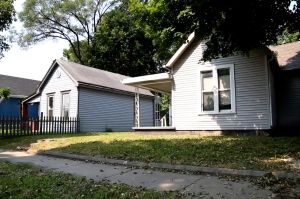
pixel 288 99
pixel 146 112
pixel 251 93
pixel 10 107
pixel 56 85
pixel 99 110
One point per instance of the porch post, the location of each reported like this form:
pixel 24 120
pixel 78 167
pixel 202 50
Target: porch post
pixel 157 109
pixel 137 108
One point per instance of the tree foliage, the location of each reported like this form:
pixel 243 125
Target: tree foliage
pixel 287 37
pixel 4 93
pixel 120 45
pixel 135 37
pixel 162 21
pixel 70 20
pixel 7 14
pixel 227 26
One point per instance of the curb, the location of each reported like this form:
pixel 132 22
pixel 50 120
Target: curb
pixel 188 168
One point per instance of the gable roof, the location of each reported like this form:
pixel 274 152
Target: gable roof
pixel 19 87
pixel 288 55
pixel 84 76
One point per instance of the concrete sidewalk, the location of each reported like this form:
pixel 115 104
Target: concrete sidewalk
pixel 202 186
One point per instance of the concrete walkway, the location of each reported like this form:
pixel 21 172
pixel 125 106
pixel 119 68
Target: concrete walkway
pixel 202 186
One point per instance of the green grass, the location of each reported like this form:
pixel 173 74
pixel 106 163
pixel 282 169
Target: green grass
pixel 23 181
pixel 239 152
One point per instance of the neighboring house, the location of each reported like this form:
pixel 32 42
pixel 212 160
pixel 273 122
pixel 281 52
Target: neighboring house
pixel 97 97
pixel 230 93
pixel 20 88
pixel 288 85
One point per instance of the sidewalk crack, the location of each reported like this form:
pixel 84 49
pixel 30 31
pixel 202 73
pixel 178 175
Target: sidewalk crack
pixel 183 188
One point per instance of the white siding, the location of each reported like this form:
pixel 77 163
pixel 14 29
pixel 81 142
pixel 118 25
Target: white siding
pixel 99 110
pixel 251 87
pixel 56 85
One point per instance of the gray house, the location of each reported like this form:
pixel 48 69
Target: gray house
pixel 230 93
pixel 97 97
pixel 287 85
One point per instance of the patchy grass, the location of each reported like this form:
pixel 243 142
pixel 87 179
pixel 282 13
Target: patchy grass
pixel 23 181
pixel 239 152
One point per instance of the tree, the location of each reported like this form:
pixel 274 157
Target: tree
pixel 160 19
pixel 287 37
pixel 120 45
pixel 70 20
pixel 4 93
pixel 7 14
pixel 227 26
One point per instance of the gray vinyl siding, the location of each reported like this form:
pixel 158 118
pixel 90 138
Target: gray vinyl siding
pixel 289 100
pixel 56 85
pixel 146 112
pixel 251 89
pixel 99 110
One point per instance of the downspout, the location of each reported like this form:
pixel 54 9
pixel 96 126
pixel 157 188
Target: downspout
pixel 271 92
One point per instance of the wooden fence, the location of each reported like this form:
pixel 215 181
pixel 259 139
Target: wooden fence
pixel 11 127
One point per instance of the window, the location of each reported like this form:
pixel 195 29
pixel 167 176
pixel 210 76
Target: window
pixel 65 108
pixel 207 90
pixel 217 89
pixel 50 105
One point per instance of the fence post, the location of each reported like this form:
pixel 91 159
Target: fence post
pixel 2 126
pixel 41 123
pixel 78 125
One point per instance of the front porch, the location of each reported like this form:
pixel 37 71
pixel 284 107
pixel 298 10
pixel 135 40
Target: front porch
pixel 159 84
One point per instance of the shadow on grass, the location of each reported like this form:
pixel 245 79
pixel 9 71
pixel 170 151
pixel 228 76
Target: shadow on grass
pixel 244 152
pixel 240 152
pixel 26 141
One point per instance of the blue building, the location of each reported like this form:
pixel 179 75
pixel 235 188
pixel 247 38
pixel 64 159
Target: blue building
pixel 20 89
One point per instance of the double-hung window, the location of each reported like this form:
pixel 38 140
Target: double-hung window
pixel 65 108
pixel 217 89
pixel 50 105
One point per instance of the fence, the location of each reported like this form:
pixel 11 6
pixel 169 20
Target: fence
pixel 11 127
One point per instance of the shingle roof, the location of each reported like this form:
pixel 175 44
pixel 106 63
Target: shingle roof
pixel 18 86
pixel 94 76
pixel 288 55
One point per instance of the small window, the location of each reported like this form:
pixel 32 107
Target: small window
pixel 224 89
pixel 207 91
pixel 50 105
pixel 217 89
pixel 65 105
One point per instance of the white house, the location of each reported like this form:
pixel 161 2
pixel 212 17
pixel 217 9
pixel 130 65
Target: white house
pixel 231 93
pixel 96 97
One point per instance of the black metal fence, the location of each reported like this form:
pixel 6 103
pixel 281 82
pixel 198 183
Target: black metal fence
pixel 11 127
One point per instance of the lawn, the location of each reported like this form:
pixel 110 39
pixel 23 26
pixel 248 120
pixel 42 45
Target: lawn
pixel 238 152
pixel 23 181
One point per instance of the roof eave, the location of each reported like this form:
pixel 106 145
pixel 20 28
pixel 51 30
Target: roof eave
pixel 30 97
pixel 145 78
pixel 180 51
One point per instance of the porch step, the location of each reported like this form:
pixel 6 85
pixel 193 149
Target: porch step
pixel 154 128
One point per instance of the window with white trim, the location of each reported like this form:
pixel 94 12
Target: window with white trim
pixel 65 105
pixel 217 89
pixel 50 105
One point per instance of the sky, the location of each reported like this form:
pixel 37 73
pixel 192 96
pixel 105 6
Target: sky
pixel 31 63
